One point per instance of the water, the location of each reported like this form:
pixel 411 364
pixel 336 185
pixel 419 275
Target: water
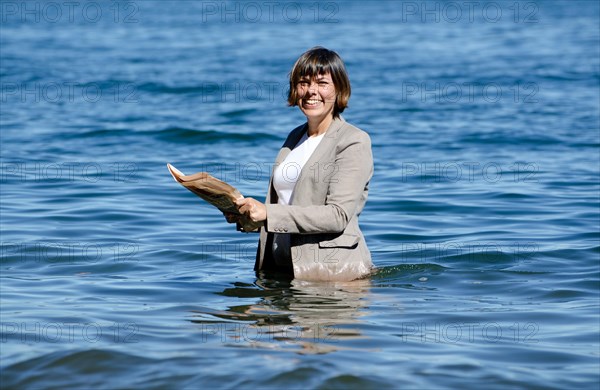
pixel 482 217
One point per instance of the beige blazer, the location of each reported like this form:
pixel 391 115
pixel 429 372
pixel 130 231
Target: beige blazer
pixel 322 219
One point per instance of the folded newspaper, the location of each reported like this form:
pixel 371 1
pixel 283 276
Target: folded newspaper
pixel 216 192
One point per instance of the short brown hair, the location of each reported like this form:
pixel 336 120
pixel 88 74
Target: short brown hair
pixel 319 61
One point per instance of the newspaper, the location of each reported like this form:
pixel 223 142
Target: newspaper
pixel 217 193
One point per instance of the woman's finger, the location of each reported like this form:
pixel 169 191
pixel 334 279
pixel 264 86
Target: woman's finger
pixel 244 205
pixel 242 201
pixel 245 208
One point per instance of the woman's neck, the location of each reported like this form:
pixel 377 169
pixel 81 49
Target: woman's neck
pixel 318 126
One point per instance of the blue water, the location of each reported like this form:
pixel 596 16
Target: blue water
pixel 483 214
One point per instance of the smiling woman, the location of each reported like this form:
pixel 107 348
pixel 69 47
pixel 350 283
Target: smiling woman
pixel 320 182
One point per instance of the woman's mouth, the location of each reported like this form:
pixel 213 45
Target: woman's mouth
pixel 311 102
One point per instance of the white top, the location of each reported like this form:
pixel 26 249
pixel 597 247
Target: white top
pixel 284 180
pixel 287 173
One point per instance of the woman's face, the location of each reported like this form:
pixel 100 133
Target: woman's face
pixel 316 96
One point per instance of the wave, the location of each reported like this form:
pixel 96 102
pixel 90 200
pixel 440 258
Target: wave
pixel 175 134
pixel 70 369
pixel 499 139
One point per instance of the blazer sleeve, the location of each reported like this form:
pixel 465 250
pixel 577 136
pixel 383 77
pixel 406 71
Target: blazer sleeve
pixel 354 163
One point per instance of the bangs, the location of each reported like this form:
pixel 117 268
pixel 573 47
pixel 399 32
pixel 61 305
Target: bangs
pixel 313 66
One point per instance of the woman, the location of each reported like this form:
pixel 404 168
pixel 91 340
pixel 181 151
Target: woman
pixel 319 184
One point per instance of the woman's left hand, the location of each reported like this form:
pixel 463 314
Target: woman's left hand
pixel 254 209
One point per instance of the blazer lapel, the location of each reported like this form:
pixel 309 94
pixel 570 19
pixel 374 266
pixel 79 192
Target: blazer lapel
pixel 329 141
pixel 288 146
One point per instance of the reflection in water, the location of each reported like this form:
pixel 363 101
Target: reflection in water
pixel 314 316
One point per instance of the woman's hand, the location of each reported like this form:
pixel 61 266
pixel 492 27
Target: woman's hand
pixel 251 207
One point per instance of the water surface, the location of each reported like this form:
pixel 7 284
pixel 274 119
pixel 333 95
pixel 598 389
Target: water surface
pixel 482 217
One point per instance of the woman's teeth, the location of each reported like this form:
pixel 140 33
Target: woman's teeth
pixel 312 101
